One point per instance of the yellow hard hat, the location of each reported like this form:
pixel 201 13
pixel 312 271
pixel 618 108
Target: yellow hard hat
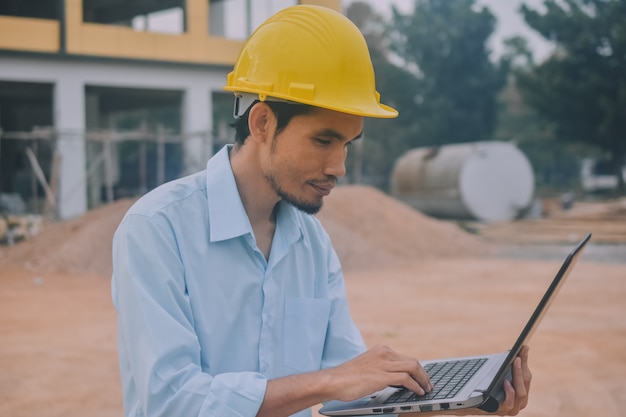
pixel 310 55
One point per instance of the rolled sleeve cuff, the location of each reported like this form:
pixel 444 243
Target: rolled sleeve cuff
pixel 238 395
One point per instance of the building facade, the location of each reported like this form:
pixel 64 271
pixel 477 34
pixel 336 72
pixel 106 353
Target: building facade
pixel 102 99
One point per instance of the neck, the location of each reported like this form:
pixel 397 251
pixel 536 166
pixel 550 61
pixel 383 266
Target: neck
pixel 259 199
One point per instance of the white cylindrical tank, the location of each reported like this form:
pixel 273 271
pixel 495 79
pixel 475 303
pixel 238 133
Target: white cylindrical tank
pixel 487 181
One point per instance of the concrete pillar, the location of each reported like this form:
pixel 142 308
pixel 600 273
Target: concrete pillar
pixel 197 128
pixel 69 114
pixel 94 155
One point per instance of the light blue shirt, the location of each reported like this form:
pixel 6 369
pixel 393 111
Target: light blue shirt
pixel 204 320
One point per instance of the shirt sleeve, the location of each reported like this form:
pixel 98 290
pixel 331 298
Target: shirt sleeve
pixel 159 351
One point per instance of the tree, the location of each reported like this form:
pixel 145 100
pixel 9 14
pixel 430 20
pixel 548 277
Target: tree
pixel 555 165
pixel 384 139
pixel 446 44
pixel 581 89
pixel 434 67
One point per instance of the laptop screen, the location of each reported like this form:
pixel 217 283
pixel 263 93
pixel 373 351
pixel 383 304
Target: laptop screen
pixel 539 312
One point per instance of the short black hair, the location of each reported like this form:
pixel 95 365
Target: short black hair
pixel 284 112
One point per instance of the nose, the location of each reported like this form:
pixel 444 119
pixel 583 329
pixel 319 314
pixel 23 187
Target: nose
pixel 336 164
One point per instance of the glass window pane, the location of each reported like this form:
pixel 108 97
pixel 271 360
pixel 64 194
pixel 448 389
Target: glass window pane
pixel 164 16
pixel 237 19
pixel 39 9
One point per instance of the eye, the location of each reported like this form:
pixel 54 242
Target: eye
pixel 323 142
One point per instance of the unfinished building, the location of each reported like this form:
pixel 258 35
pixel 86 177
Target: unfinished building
pixel 102 99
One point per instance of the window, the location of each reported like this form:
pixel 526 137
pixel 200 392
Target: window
pixel 163 16
pixel 237 19
pixel 40 9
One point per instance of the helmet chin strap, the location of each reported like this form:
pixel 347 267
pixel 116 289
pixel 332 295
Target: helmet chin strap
pixel 243 101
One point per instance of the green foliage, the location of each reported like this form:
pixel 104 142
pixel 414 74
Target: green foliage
pixel 555 164
pixel 581 89
pixel 458 83
pixel 434 67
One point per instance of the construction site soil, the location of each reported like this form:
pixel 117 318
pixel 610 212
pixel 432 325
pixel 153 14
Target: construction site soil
pixel 426 287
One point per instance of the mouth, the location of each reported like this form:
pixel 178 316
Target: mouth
pixel 323 189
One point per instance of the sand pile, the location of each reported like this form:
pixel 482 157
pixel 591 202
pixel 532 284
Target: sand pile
pixel 368 228
pixel 81 245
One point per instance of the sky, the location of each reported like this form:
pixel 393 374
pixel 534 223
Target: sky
pixel 510 22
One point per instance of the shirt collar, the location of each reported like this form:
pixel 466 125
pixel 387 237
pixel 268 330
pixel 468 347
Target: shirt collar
pixel 228 217
pixel 288 225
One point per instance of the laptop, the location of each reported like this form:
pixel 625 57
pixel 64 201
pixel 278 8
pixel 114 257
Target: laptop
pixel 464 382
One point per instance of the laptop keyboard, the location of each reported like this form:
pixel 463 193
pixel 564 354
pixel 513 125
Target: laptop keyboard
pixel 448 378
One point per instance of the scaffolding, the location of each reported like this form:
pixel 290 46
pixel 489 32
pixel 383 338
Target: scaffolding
pixel 102 170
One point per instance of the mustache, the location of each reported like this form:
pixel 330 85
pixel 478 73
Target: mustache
pixel 330 180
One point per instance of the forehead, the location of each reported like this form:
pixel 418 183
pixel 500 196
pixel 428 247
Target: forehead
pixel 331 123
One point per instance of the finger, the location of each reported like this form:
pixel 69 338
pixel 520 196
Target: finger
pixel 414 372
pixel 519 385
pixel 410 372
pixel 422 377
pixel 511 404
pixel 521 380
pixel 507 407
pixel 409 383
pixel 525 369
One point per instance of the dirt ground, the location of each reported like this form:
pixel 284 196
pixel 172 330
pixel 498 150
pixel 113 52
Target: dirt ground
pixel 424 287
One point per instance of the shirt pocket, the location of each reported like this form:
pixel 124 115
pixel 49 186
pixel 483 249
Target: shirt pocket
pixel 306 321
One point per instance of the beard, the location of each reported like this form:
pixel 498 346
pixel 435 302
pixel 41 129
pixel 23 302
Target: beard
pixel 300 204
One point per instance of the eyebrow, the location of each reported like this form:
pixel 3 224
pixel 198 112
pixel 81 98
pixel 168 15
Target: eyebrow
pixel 335 134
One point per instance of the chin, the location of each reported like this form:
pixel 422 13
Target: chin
pixel 305 206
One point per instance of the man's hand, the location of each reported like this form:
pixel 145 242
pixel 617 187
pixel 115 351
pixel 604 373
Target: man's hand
pixel 517 393
pixel 369 372
pixel 376 369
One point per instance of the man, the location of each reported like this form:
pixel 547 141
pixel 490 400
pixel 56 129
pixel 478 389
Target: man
pixel 230 296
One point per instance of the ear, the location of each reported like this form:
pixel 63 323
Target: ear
pixel 261 122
